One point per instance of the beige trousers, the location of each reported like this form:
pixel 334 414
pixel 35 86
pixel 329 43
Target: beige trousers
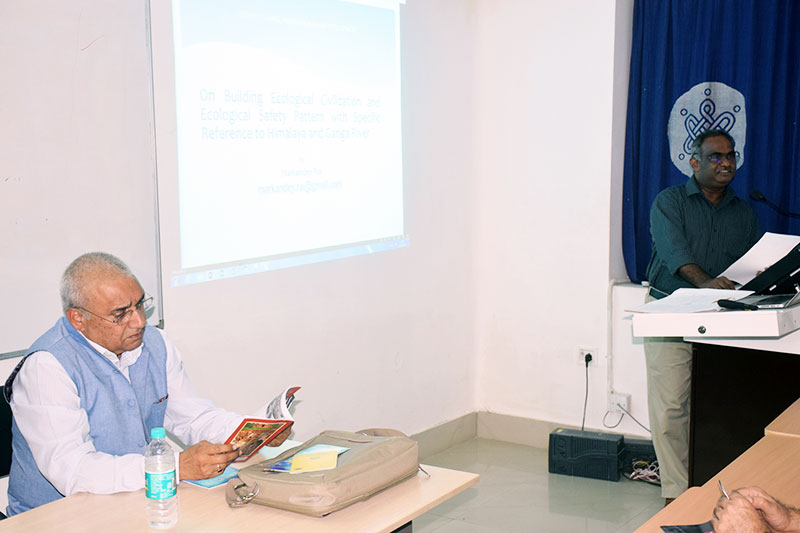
pixel 669 379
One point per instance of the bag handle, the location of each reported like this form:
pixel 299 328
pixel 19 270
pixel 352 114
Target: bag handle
pixel 382 432
pixel 239 494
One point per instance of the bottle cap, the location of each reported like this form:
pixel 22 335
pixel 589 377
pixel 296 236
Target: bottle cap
pixel 157 433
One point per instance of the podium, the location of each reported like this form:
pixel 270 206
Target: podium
pixel 745 372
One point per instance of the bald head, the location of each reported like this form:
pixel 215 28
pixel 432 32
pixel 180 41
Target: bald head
pixel 86 269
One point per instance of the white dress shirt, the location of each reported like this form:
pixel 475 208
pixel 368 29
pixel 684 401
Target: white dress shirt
pixel 48 412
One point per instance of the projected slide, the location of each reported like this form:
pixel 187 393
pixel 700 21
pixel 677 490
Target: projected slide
pixel 289 133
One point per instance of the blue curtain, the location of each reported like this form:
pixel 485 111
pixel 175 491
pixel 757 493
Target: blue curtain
pixel 697 64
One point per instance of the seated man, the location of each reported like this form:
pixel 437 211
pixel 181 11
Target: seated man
pixel 751 510
pixel 88 391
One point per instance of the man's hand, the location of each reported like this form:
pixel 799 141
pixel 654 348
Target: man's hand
pixel 697 277
pixel 781 519
pixel 717 283
pixel 205 460
pixel 280 438
pixel 738 515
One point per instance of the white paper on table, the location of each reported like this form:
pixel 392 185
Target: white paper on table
pixel 767 251
pixel 690 301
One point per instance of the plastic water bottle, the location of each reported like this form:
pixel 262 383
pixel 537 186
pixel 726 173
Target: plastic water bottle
pixel 160 483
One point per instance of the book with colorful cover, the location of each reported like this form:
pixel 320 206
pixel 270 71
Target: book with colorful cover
pixel 253 433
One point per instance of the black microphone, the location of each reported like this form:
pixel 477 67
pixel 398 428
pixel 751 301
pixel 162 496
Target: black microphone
pixel 756 195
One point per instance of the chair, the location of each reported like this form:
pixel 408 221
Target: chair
pixel 5 438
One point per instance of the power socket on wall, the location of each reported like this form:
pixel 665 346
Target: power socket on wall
pixel 617 399
pixel 581 353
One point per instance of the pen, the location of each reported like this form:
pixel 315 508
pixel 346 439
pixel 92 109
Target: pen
pixel 722 490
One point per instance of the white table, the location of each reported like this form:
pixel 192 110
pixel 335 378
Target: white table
pixel 202 510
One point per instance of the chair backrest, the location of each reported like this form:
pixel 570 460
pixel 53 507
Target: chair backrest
pixel 5 435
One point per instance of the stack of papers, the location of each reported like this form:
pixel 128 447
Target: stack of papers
pixel 690 301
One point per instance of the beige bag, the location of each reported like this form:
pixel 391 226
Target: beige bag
pixel 376 459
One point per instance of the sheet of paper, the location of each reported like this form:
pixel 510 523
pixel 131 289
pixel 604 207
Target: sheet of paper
pixel 767 251
pixel 229 473
pixel 690 301
pixel 324 448
pixel 270 452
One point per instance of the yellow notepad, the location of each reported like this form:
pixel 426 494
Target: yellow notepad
pixel 309 462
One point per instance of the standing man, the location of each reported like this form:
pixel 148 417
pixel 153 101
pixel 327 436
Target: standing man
pixel 698 229
pixel 88 392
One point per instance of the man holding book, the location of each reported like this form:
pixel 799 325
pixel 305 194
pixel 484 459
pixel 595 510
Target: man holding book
pixel 88 391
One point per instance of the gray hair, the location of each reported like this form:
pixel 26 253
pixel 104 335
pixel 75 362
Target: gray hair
pixel 77 273
pixel 700 139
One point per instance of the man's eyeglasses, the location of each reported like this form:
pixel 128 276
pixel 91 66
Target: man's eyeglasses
pixel 717 158
pixel 121 318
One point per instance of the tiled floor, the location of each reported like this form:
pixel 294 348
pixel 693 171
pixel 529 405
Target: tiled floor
pixel 517 494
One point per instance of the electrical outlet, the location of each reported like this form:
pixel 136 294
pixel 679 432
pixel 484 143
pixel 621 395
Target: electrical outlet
pixel 581 356
pixel 617 399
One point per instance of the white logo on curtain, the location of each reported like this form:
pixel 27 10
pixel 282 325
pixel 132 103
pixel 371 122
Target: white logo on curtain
pixel 706 106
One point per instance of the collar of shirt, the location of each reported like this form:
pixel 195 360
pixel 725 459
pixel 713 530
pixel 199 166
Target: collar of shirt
pixel 122 362
pixel 693 188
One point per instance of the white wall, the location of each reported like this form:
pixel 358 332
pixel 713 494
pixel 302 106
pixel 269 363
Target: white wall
pixel 545 94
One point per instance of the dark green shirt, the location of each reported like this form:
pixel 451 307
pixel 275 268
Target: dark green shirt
pixel 687 228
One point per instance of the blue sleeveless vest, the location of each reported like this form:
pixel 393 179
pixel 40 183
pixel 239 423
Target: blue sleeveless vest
pixel 121 413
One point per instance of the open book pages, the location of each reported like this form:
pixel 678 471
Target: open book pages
pixel 278 408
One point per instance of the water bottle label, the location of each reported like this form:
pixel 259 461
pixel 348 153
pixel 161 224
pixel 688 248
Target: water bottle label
pixel 160 486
